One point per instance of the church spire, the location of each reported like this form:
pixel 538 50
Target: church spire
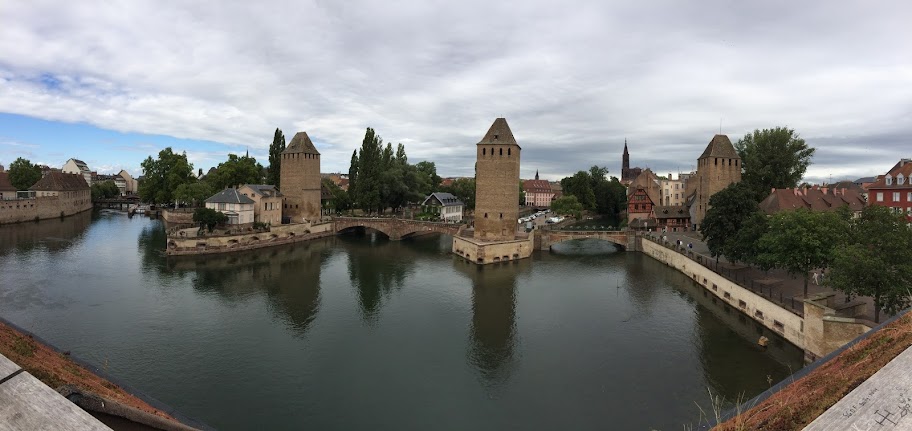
pixel 536 174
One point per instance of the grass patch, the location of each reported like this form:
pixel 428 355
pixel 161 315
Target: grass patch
pixel 24 347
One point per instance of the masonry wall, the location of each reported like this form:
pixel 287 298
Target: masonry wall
pixel 763 311
pixel 496 191
pixel 41 208
pixel 277 235
pixel 300 184
pixel 713 175
pixel 483 253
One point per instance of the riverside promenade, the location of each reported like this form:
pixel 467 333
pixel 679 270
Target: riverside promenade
pixel 776 284
pixel 28 404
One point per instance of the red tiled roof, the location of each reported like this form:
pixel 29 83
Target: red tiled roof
pixel 812 198
pixel 904 168
pixel 536 186
pixel 56 181
pixel 5 184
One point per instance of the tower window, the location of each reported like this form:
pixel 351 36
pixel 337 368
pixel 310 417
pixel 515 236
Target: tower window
pixel 486 215
pixel 495 136
pixel 484 151
pixel 501 151
pixel 508 151
pixel 501 215
pixel 717 161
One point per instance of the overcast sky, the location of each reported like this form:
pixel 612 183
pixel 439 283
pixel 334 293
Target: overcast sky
pixel 113 82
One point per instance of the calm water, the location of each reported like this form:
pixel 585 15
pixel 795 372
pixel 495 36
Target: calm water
pixel 357 332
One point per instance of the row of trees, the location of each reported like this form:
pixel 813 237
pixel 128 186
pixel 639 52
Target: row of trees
pixel 381 178
pixel 169 178
pixel 592 190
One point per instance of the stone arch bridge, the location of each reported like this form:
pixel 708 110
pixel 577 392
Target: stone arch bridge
pixel 395 228
pixel 625 239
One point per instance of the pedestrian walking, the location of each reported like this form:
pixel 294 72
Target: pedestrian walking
pixel 815 276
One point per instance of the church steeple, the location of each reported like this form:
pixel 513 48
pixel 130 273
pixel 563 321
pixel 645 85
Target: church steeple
pixel 626 159
pixel 536 174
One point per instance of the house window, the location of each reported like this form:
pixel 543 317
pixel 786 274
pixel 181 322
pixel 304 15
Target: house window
pixel 895 196
pixel 221 207
pixel 909 196
pixel 889 180
pixel 879 196
pixel 900 179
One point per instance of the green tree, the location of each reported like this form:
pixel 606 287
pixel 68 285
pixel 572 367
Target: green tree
pixel 773 158
pixel 876 261
pixel 580 186
pixel 340 199
pixel 745 248
pixel 163 175
pixel 800 241
pixel 275 158
pixel 428 171
pixel 194 193
pixel 208 217
pixel 728 209
pixel 567 205
pixel 610 197
pixel 464 189
pixel 104 190
pixel 23 174
pixel 234 172
pixel 522 194
pixel 364 186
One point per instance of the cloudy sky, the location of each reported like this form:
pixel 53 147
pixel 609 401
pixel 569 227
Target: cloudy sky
pixel 113 82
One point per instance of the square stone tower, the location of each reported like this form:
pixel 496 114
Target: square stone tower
pixel 299 178
pixel 497 184
pixel 717 167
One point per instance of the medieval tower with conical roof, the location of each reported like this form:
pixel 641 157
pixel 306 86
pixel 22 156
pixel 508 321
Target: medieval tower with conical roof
pixel 494 237
pixel 299 179
pixel 717 167
pixel 497 184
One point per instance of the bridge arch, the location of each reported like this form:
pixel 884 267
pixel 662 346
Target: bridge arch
pixel 394 228
pixel 619 238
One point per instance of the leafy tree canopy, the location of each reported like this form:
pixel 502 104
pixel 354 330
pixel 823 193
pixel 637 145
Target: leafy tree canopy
pixel 464 189
pixel 773 158
pixel 208 217
pixel 105 190
pixel 567 205
pixel 194 193
pixel 728 210
pixel 234 172
pixel 876 261
pixel 595 191
pixel 23 174
pixel 163 175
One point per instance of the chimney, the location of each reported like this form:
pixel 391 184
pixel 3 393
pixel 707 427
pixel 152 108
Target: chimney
pixel 824 189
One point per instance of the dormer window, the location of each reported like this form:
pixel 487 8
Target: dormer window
pixel 889 179
pixel 900 179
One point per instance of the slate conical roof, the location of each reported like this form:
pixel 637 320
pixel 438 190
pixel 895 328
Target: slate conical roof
pixel 301 144
pixel 720 146
pixel 499 134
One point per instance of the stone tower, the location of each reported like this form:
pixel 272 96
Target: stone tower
pixel 299 177
pixel 625 162
pixel 718 167
pixel 497 184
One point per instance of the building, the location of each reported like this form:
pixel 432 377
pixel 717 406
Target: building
pixel 672 218
pixel 717 167
pixel 643 194
pixel 814 198
pixel 238 208
pixel 496 181
pixel 267 202
pixel 494 238
pixel 449 207
pixel 894 190
pixel 538 192
pixel 7 191
pixel 76 166
pixel 628 174
pixel 673 190
pixel 131 186
pixel 299 176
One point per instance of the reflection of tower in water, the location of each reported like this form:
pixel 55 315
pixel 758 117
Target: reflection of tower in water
pixel 493 332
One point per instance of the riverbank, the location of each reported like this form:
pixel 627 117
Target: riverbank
pixel 57 369
pixel 795 403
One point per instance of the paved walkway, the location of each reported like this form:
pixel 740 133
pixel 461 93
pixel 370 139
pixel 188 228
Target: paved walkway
pixel 776 284
pixel 28 404
pixel 883 402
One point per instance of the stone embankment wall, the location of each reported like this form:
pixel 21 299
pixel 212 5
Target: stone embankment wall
pixel 485 252
pixel 178 217
pixel 277 235
pixel 41 208
pixel 818 332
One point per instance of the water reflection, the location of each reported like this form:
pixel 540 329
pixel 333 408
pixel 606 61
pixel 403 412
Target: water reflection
pixel 493 330
pixel 288 275
pixel 376 267
pixel 54 235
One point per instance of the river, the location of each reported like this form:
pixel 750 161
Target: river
pixel 359 332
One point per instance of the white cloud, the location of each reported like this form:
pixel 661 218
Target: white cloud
pixel 572 80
